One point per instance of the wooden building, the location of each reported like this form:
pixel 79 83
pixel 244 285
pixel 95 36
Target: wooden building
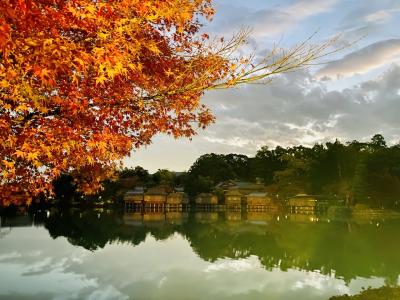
pixel 260 201
pixel 206 199
pixel 155 199
pixel 233 198
pixel 134 198
pixel 177 200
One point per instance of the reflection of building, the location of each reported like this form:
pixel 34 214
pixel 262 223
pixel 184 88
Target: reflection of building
pixel 304 203
pixel 206 217
pixel 154 218
pixel 260 217
pixel 260 201
pixel 303 217
pixel 133 219
pixel 233 198
pixel 233 216
pixel 206 199
pixel 177 218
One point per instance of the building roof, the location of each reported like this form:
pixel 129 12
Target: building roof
pixel 177 194
pixel 233 193
pixel 158 190
pixel 206 195
pixel 179 189
pixel 258 194
pixel 133 192
pixel 239 185
pixel 302 196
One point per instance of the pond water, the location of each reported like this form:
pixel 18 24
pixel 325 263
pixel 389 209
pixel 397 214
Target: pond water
pixel 199 255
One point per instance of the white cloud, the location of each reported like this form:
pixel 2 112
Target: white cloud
pixel 362 61
pixel 381 16
pixel 268 22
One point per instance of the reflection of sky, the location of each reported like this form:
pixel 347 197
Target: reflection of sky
pixel 34 266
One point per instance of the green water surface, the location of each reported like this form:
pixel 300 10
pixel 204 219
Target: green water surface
pixel 104 254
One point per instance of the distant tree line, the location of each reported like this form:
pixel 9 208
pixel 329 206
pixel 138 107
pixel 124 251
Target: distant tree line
pixel 358 172
pixel 355 171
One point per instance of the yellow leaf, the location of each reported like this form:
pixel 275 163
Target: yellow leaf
pixel 111 73
pixel 90 160
pixel 91 8
pixel 37 164
pixel 4 84
pixel 79 61
pixel 169 73
pixel 22 107
pixel 103 35
pixel 153 48
pixel 32 156
pixel 8 164
pixel 47 42
pixel 75 79
pixel 19 153
pixel 100 79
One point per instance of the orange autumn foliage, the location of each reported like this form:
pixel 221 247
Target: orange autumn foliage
pixel 82 82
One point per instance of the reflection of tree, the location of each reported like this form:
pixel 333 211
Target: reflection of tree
pixel 347 249
pixel 220 239
pixel 366 251
pixel 93 230
pixel 4 232
pixel 85 229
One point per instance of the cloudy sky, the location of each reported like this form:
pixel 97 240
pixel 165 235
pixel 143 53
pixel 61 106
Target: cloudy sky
pixel 352 95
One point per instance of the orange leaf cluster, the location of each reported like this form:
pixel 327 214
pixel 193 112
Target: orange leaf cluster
pixel 82 82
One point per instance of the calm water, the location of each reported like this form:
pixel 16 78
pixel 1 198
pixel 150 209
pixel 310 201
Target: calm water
pixel 225 255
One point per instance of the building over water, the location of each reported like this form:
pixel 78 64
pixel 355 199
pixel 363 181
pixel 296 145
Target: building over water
pixel 134 198
pixel 177 200
pixel 258 198
pixel 155 198
pixel 233 198
pixel 206 199
pixel 260 201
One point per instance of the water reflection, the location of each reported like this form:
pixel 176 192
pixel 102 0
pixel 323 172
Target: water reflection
pixel 198 255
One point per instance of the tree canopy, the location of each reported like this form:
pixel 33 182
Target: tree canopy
pixel 84 82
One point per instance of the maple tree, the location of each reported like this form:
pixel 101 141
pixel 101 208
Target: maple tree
pixel 82 82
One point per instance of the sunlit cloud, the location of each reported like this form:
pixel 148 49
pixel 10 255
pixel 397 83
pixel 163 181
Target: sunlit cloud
pixel 363 60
